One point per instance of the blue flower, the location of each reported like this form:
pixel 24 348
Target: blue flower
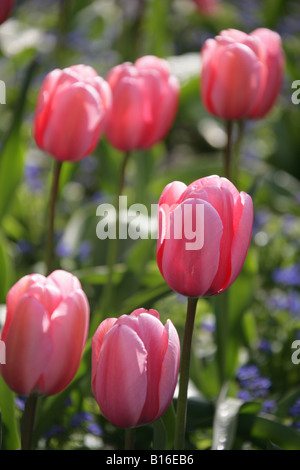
pixel 288 275
pixel 81 418
pixel 95 429
pixel 252 384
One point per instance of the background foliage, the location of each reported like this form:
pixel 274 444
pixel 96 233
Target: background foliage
pixel 253 351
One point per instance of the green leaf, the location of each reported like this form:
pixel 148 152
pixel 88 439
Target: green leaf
pixel 225 423
pixel 159 435
pixel 164 430
pixel 11 170
pixel 4 269
pixel 12 154
pixel 260 430
pixel 10 435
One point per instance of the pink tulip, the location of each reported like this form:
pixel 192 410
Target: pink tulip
pixel 72 108
pixel 241 73
pixel 207 7
pixel 145 101
pixel 44 333
pixel 6 7
pixel 212 210
pixel 135 361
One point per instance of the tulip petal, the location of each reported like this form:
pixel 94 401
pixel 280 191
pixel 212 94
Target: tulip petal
pixel 64 281
pixel 15 293
pixel 167 202
pixel 236 82
pixel 154 338
pixel 125 124
pixel 28 346
pixel 169 369
pixel 79 105
pixel 242 238
pixel 274 64
pixel 121 378
pixel 68 330
pixel 191 271
pixel 97 341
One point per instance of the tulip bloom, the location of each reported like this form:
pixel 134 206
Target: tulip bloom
pixel 145 101
pixel 207 7
pixel 71 112
pixel 225 221
pixel 242 73
pixel 135 361
pixel 44 333
pixel 6 7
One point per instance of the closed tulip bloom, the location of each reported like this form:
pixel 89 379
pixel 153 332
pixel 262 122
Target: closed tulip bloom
pixel 204 235
pixel 71 112
pixel 145 100
pixel 6 7
pixel 44 333
pixel 207 7
pixel 135 361
pixel 241 73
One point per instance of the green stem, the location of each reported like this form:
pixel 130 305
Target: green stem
pixel 50 232
pixel 228 150
pixel 221 306
pixel 28 422
pixel 122 177
pixel 113 244
pixel 236 153
pixel 63 25
pixel 181 408
pixel 129 438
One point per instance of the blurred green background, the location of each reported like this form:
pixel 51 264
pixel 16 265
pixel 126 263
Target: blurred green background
pixel 263 384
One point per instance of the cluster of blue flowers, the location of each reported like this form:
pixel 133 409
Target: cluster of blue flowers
pixel 254 386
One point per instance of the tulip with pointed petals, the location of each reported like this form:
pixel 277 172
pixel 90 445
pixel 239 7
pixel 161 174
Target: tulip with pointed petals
pixel 135 361
pixel 71 112
pixel 226 222
pixel 144 104
pixel 44 333
pixel 242 73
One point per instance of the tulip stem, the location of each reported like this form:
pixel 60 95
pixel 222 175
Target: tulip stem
pixel 50 233
pixel 112 254
pixel 129 438
pixel 181 409
pixel 228 149
pixel 122 176
pixel 28 422
pixel 237 151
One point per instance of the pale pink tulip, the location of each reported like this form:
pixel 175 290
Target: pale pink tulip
pixel 135 361
pixel 44 333
pixel 197 266
pixel 241 74
pixel 71 112
pixel 145 101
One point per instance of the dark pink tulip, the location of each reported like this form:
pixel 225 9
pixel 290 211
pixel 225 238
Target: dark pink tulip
pixel 241 74
pixel 145 101
pixel 44 333
pixel 6 7
pixel 207 7
pixel 202 253
pixel 135 361
pixel 71 112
